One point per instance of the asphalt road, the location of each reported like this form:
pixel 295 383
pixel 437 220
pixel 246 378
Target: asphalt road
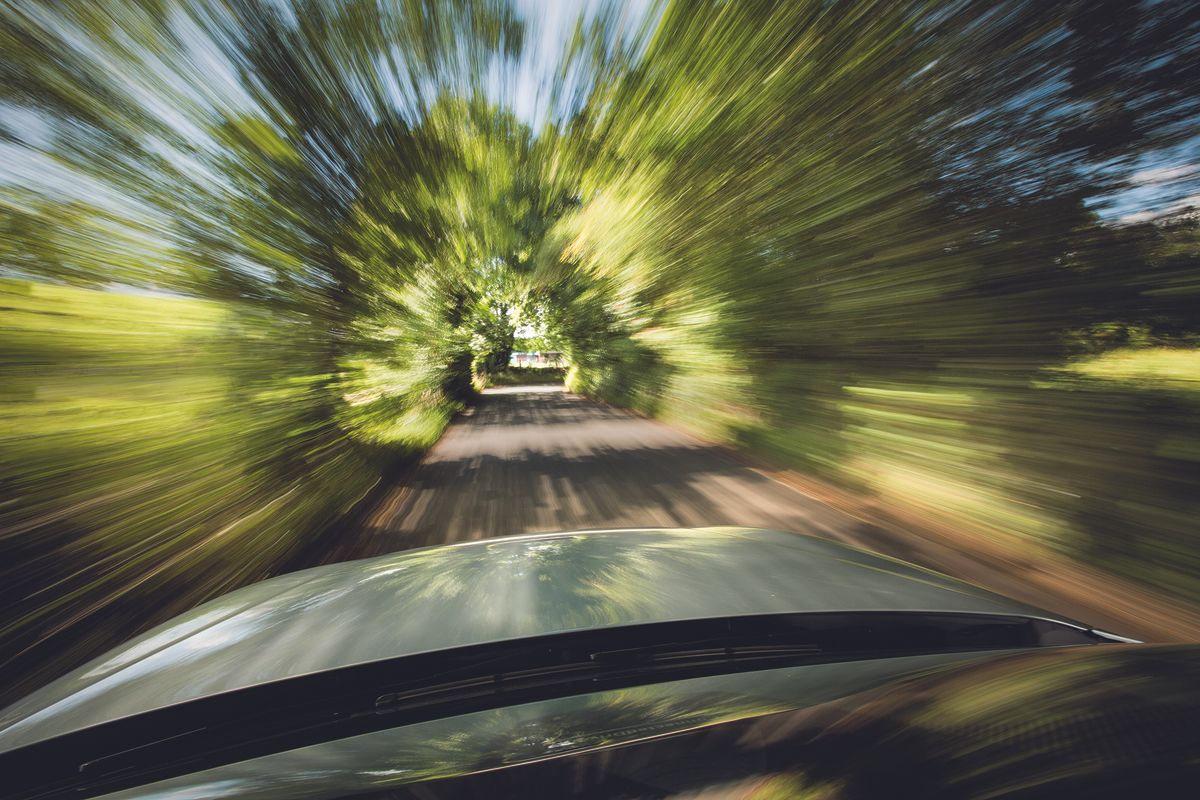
pixel 530 459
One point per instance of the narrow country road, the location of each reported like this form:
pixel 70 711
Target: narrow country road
pixel 530 459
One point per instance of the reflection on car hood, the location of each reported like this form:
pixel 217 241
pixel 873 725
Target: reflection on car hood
pixel 513 735
pixel 1060 722
pixel 497 589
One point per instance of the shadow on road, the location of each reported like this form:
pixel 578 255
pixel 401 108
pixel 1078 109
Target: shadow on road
pixel 542 460
pixel 534 459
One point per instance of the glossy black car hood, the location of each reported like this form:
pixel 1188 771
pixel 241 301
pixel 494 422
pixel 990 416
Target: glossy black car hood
pixel 499 589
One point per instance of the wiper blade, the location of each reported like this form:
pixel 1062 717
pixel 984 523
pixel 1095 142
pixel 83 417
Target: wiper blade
pixel 349 701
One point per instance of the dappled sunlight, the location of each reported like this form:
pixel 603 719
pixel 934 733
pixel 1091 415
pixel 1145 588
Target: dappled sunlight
pixel 1149 368
pixel 257 258
pixel 532 389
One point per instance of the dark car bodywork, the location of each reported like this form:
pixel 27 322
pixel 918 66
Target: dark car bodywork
pixel 432 666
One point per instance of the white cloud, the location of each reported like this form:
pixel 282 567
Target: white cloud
pixel 1158 175
pixel 1137 217
pixel 1182 204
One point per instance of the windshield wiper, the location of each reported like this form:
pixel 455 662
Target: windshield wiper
pixel 349 701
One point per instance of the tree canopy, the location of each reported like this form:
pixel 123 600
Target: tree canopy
pixel 253 252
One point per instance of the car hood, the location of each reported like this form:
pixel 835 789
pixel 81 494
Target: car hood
pixel 498 589
pixel 1110 721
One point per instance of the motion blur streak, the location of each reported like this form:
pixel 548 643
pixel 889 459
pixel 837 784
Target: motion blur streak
pixel 253 253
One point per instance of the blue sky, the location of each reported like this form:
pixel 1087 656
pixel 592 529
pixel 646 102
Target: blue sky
pixel 551 24
pixel 183 93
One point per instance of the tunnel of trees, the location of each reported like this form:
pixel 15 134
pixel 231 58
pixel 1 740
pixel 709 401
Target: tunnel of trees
pixel 253 253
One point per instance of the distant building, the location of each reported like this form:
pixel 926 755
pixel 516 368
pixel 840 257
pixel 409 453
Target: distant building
pixel 546 359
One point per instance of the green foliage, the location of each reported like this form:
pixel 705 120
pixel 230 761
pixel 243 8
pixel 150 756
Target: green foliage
pixel 527 376
pixel 870 244
pixel 254 251
pixel 158 449
pixel 244 270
